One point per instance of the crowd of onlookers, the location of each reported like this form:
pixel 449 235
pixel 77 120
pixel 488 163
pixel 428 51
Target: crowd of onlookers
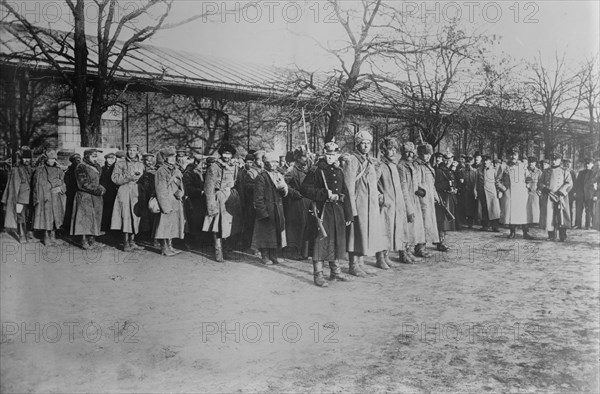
pixel 330 206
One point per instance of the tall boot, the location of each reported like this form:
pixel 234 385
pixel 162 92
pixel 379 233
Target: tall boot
pixel 170 246
pixel 526 234
pixel 164 248
pixel 562 234
pixel 46 238
pixel 421 252
pixel 126 245
pixel 496 225
pixel 380 262
pixel 53 237
pixel 273 255
pixel 29 235
pixel 388 261
pixel 21 231
pixel 85 243
pixel 132 244
pixel 318 274
pixel 409 251
pixel 335 272
pixel 355 269
pixel 218 249
pixel 264 256
pixel 363 266
pixel 93 243
pixel 304 251
pixel 551 236
pixel 512 232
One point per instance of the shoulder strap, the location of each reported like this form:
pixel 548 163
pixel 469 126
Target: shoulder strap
pixel 324 180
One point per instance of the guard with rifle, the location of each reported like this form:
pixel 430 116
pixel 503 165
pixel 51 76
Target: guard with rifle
pixel 331 208
pixel 555 184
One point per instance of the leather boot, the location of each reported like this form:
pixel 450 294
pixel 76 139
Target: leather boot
pixel 133 245
pixel 512 232
pixel 171 248
pixel 380 262
pixel 273 256
pixel 53 237
pixel 551 236
pixel 93 243
pixel 355 269
pixel 21 231
pixel 304 252
pixel 318 274
pixel 29 235
pixel 85 243
pixel 421 252
pixel 442 247
pixel 46 238
pixel 156 243
pixel 126 246
pixel 562 234
pixel 164 249
pixel 363 267
pixel 264 257
pixel 388 261
pixel 526 234
pixel 335 272
pixel 405 257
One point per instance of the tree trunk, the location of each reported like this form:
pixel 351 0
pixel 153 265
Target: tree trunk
pixel 12 116
pixel 80 77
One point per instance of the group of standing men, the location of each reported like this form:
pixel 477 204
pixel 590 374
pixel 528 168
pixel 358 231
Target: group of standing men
pixel 341 206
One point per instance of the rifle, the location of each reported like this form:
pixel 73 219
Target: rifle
pixel 449 216
pixel 315 213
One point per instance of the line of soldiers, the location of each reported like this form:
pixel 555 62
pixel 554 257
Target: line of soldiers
pixel 336 207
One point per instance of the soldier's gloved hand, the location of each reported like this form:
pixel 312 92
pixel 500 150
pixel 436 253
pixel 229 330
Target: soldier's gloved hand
pixel 334 197
pixel 349 222
pixel 178 194
pixel 559 193
pixel 420 192
pixel 410 217
pixel 500 194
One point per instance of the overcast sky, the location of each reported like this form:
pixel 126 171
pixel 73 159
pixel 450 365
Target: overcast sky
pixel 278 32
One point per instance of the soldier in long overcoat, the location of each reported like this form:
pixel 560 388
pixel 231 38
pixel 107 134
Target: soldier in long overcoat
pixel 88 204
pixel 17 197
pixel 71 185
pixel 111 190
pixel 325 185
pixel 49 198
pixel 168 183
pixel 127 209
pixel 253 166
pixel 146 192
pixel 511 182
pixel 395 211
pixel 414 233
pixel 195 203
pixel 584 195
pixel 224 212
pixel 445 186
pixel 467 203
pixel 487 195
pixel 555 184
pixel 427 198
pixel 366 234
pixel 533 194
pixel 296 206
pixel 269 227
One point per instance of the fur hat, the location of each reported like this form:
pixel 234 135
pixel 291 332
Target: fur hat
pixel 331 148
pixel 258 155
pixel 408 147
pixel 227 147
pixel 168 152
pixel 120 154
pixel 363 135
pixel 74 157
pixel 425 149
pixel 249 157
pixel 26 154
pixel 299 152
pixel 388 143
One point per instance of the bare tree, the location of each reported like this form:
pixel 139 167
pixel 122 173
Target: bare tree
pixel 556 95
pixel 590 79
pixel 118 34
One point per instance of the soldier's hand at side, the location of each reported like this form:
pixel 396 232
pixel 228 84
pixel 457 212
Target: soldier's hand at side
pixel 348 222
pixel 410 217
pixel 334 197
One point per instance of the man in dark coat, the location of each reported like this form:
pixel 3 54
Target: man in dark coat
pixel 49 198
pixel 467 204
pixel 147 191
pixel 567 165
pixel 325 186
pixel 17 198
pixel 269 228
pixel 555 184
pixel 111 190
pixel 583 191
pixel 253 166
pixel 71 185
pixel 195 204
pixel 296 206
pixel 445 186
pixel 87 208
pixel 4 172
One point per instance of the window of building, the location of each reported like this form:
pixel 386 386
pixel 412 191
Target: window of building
pixel 112 127
pixel 69 136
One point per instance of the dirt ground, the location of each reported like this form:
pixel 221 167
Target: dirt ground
pixel 493 315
